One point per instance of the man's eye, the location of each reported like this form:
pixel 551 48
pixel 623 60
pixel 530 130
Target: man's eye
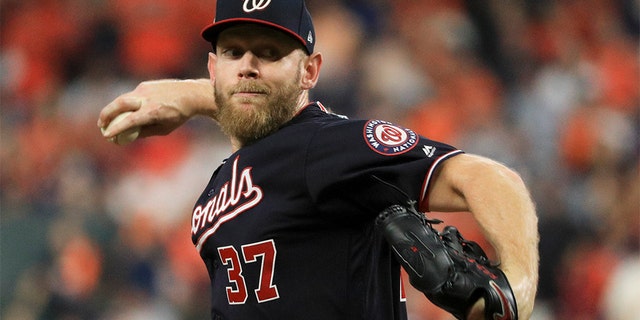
pixel 269 53
pixel 231 52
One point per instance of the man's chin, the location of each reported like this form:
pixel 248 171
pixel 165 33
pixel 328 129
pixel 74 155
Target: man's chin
pixel 249 100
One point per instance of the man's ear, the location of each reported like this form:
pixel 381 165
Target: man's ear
pixel 211 65
pixel 311 71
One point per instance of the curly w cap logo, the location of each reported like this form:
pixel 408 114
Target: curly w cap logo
pixel 253 5
pixel 388 139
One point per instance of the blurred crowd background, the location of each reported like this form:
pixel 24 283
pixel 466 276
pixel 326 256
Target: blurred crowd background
pixel 90 230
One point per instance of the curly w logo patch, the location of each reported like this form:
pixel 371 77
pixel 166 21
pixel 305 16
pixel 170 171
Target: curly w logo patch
pixel 253 5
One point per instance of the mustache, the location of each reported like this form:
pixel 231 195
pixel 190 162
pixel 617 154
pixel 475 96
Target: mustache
pixel 252 87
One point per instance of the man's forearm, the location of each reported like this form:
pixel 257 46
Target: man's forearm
pixel 201 97
pixel 501 204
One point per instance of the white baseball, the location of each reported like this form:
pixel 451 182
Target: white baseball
pixel 126 136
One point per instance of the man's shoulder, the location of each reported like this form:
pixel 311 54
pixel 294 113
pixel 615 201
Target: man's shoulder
pixel 315 115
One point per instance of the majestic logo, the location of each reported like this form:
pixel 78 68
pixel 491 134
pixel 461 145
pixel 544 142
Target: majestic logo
pixel 233 198
pixel 387 139
pixel 429 151
pixel 255 5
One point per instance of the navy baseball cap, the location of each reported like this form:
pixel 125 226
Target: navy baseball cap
pixel 289 16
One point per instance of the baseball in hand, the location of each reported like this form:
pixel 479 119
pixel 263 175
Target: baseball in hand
pixel 126 136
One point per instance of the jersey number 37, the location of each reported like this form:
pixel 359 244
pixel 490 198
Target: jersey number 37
pixel 265 252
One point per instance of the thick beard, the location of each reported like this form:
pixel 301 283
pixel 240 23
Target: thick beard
pixel 247 125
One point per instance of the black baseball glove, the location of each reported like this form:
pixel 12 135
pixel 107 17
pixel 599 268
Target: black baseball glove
pixel 452 272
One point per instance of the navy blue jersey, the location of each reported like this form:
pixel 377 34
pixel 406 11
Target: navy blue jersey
pixel 286 224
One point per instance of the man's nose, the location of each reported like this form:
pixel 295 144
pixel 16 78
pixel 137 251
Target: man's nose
pixel 248 66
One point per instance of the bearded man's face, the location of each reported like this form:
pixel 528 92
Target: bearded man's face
pixel 257 75
pixel 249 118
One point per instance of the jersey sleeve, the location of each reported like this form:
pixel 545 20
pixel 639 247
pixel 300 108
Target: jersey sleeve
pixel 362 167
